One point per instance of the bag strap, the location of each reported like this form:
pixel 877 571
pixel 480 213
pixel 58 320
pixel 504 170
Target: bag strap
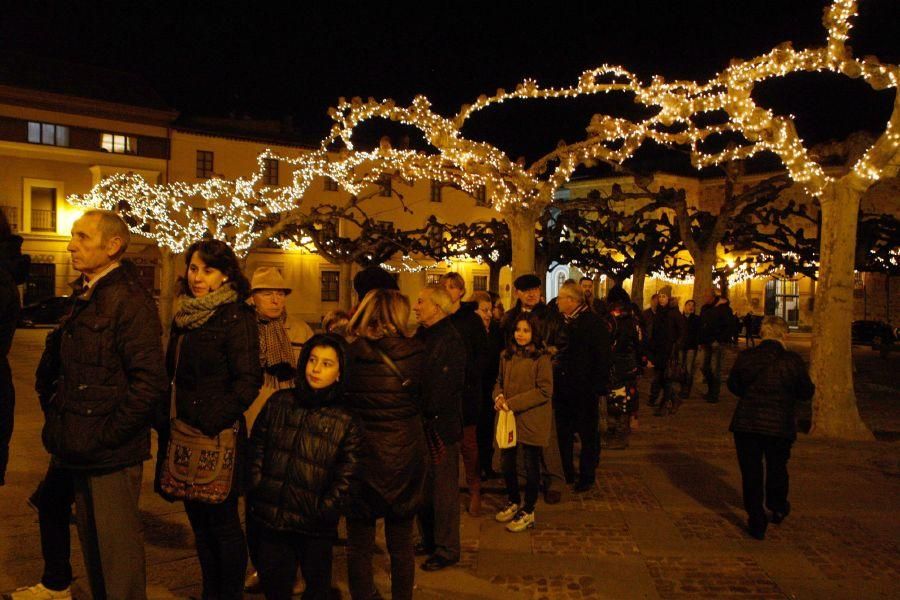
pixel 174 375
pixel 405 382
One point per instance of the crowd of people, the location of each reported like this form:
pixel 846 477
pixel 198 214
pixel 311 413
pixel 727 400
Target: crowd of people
pixel 364 421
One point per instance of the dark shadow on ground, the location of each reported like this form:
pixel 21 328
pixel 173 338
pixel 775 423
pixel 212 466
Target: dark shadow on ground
pixel 165 534
pixel 702 481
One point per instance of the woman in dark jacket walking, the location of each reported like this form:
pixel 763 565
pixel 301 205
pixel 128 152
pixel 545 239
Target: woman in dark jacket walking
pixel 304 454
pixel 691 343
pixel 213 361
pixel 383 392
pixel 770 382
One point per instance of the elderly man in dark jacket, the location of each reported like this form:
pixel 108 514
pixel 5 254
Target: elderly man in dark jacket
pixel 770 382
pixel 442 387
pixel 101 380
pixel 580 377
pixel 465 318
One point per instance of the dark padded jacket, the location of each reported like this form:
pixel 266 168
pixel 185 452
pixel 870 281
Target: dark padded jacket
pixel 102 377
pixel 716 323
pixel 583 362
pixel 394 463
pixel 770 383
pixel 667 334
pixel 218 375
pixel 443 378
pixel 626 350
pixel 304 453
pixel 474 336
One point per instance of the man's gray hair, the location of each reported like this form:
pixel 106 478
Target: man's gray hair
pixel 572 290
pixel 440 297
pixel 111 225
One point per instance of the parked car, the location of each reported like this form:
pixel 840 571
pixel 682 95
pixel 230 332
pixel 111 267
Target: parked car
pixel 45 312
pixel 878 334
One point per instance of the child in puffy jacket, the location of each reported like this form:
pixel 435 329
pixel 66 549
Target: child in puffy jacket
pixel 525 387
pixel 304 451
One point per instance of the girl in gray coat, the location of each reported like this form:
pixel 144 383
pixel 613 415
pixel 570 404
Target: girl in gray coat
pixel 524 386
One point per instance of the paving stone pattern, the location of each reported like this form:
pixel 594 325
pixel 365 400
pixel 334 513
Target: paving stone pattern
pixel 559 587
pixel 584 540
pixel 715 577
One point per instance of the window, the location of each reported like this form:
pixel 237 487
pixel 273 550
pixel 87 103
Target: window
pixel 481 196
pixel 330 185
pixel 43 209
pixel 147 277
pixel 12 215
pixel 435 191
pixel 48 134
pixel 480 283
pixel 385 182
pixel 432 278
pixel 204 164
pixel 331 286
pixel 118 143
pixel 270 173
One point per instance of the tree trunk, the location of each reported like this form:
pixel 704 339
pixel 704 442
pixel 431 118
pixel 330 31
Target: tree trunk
pixel 345 297
pixel 703 275
pixel 521 230
pixel 835 413
pixel 494 277
pixel 637 285
pixel 167 282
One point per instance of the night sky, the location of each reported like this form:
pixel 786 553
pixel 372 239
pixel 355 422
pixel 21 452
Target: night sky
pixel 270 60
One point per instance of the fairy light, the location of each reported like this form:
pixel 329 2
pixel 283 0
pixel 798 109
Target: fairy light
pixel 167 213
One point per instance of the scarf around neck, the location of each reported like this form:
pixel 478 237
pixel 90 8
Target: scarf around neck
pixel 194 312
pixel 275 350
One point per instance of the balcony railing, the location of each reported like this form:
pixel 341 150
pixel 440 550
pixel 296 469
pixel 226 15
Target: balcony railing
pixel 43 220
pixel 12 215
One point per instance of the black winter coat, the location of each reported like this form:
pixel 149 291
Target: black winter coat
pixel 692 332
pixel 304 453
pixel 474 336
pixel 218 374
pixel 626 350
pixel 666 335
pixel 393 466
pixel 443 378
pixel 9 311
pixel 583 361
pixel 495 345
pixel 102 377
pixel 770 383
pixel 716 323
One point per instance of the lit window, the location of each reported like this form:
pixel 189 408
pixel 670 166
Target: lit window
pixel 270 176
pixel 118 143
pixel 481 196
pixel 48 134
pixel 480 283
pixel 330 185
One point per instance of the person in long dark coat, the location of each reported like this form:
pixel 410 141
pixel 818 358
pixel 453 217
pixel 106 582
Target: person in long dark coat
pixel 213 358
pixel 771 382
pixel 495 345
pixel 10 262
pixel 580 378
pixel 664 342
pixel 383 390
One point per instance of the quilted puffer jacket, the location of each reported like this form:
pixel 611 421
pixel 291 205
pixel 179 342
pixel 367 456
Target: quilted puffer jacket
pixel 771 382
pixel 303 456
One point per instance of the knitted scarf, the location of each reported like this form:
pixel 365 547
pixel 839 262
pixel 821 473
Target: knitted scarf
pixel 275 354
pixel 194 312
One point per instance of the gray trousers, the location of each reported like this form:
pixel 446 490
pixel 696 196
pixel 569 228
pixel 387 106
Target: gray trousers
pixel 439 518
pixel 109 527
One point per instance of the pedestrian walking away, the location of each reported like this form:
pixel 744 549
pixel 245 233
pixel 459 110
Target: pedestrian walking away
pixel 771 383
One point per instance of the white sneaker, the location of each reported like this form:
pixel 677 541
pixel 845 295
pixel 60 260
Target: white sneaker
pixel 522 521
pixel 507 513
pixel 39 592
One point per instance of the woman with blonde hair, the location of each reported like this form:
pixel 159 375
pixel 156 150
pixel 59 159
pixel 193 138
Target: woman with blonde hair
pixel 382 391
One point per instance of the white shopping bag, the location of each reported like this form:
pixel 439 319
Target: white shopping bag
pixel 506 429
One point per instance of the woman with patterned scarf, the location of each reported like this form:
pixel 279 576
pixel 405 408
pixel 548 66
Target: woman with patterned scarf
pixel 213 360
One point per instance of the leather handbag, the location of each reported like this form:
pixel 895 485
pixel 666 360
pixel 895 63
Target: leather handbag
pixel 197 467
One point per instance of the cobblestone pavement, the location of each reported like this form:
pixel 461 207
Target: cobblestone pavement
pixel 665 519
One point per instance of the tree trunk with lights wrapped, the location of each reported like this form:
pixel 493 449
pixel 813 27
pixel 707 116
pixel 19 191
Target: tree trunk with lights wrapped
pixel 521 230
pixel 167 279
pixel 835 413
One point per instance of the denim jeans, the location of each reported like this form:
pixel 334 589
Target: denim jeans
pixel 532 456
pixel 712 369
pixel 688 360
